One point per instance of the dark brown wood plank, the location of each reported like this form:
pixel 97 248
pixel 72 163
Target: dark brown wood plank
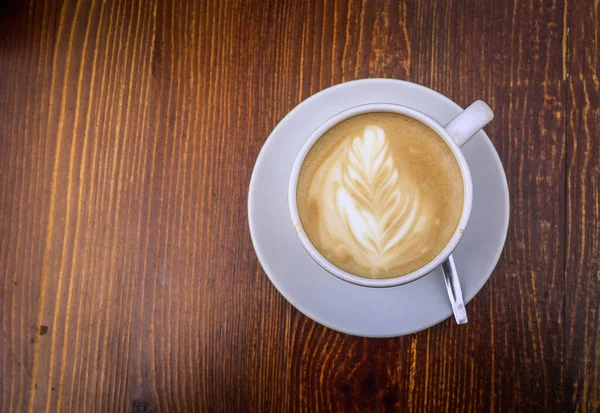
pixel 508 358
pixel 128 132
pixel 142 130
pixel 25 167
pixel 582 283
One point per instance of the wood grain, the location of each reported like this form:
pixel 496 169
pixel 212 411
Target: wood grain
pixel 582 281
pixel 128 133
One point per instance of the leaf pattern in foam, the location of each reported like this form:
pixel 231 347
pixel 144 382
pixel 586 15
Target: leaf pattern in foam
pixel 379 213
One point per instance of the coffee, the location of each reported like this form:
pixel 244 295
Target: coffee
pixel 380 195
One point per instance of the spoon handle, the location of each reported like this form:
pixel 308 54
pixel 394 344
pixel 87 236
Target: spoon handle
pixel 454 291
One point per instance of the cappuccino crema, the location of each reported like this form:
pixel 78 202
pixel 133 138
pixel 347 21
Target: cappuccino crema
pixel 380 195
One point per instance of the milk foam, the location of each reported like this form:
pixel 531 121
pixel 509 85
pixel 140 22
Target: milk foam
pixel 377 205
pixel 370 209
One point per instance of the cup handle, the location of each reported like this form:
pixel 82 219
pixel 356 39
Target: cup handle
pixel 469 122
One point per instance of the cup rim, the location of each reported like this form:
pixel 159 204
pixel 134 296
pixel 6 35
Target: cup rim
pixel 454 239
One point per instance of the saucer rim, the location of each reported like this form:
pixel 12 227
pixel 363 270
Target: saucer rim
pixel 260 254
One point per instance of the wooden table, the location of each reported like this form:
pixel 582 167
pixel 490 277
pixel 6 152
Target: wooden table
pixel 128 133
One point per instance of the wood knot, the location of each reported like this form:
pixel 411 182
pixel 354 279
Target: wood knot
pixel 140 406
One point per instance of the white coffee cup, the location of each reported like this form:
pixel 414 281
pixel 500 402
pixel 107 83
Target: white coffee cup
pixel 456 133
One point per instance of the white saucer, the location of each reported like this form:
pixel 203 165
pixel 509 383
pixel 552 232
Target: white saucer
pixel 361 311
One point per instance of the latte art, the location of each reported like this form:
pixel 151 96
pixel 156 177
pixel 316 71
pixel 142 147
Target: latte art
pixel 378 213
pixel 379 195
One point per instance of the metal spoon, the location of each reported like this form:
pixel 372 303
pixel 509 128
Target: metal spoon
pixel 454 291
